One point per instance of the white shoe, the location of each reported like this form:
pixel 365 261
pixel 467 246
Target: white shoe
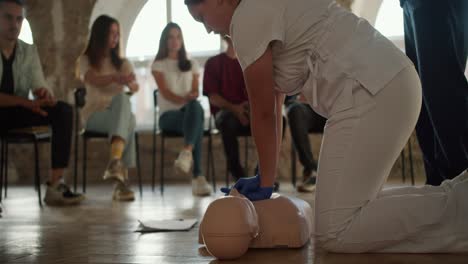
pixel 184 161
pixel 200 187
pixel 115 171
pixel 123 193
pixel 61 195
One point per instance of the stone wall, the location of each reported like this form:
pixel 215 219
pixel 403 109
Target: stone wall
pixel 60 32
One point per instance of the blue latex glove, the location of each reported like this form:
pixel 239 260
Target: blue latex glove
pixel 244 185
pixel 250 188
pixel 262 193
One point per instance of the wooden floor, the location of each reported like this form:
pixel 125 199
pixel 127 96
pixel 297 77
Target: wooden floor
pixel 101 231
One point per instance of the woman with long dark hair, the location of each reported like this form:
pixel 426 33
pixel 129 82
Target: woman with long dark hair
pixel 108 110
pixel 180 112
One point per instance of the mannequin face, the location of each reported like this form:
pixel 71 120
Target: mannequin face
pixel 229 225
pixel 215 15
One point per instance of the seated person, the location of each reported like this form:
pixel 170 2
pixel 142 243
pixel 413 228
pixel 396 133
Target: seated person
pixel 21 73
pixel 180 112
pixel 108 109
pixel 223 83
pixel 303 120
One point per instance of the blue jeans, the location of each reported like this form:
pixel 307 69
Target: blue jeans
pixel 117 120
pixel 187 121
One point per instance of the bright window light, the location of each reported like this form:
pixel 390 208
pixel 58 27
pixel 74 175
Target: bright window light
pixel 197 40
pixel 26 34
pixel 146 31
pixel 390 19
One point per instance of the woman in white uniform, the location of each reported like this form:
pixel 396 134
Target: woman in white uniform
pixel 371 95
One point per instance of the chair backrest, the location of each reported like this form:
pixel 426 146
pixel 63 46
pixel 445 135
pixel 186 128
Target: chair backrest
pixel 80 97
pixel 155 114
pixel 80 101
pixel 155 98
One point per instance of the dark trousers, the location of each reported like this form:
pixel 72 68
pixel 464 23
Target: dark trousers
pixel 302 121
pixel 436 38
pixel 230 128
pixel 59 118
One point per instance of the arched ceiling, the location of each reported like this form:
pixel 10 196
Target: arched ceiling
pixel 127 11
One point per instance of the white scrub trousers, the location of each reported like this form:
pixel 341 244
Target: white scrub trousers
pixel 360 145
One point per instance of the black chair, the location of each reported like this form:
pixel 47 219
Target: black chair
pixel 30 135
pixel 210 166
pixel 80 101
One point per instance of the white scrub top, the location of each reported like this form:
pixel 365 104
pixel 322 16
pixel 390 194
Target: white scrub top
pixel 178 82
pixel 319 49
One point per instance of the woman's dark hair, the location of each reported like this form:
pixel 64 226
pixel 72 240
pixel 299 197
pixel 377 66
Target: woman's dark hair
pixel 193 2
pixel 184 63
pixel 98 41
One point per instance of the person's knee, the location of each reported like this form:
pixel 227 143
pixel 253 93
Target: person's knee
pixel 195 106
pixel 295 113
pixel 227 123
pixel 123 100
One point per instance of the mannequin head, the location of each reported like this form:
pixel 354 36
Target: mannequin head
pixel 229 225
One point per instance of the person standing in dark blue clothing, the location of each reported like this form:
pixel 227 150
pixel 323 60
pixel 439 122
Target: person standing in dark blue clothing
pixel 436 39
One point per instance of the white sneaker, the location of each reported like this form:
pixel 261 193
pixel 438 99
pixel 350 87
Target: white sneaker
pixel 123 193
pixel 308 185
pixel 184 161
pixel 61 195
pixel 115 171
pixel 200 187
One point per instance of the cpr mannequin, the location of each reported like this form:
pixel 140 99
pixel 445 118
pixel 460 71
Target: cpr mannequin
pixel 232 224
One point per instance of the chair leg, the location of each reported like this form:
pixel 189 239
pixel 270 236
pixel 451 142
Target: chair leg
pixel 403 167
pixel 207 169
pixel 75 169
pixel 5 172
pixel 1 168
pixel 37 172
pixel 209 175
pixel 137 143
pixel 246 168
pixel 85 161
pixel 227 174
pixel 161 173
pixel 212 163
pixel 153 161
pixel 410 154
pixel 293 165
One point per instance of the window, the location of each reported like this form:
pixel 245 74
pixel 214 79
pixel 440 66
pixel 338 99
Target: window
pixel 197 40
pixel 390 19
pixel 143 40
pixel 143 45
pixel 144 37
pixel 26 34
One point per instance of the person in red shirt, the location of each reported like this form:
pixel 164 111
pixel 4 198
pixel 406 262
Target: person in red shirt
pixel 223 83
